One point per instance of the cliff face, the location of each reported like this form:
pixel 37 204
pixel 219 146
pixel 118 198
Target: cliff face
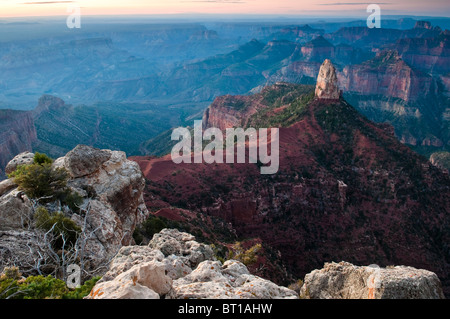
pixel 346 189
pixel 17 134
pixel 428 54
pixel 388 75
pixel 318 50
pixel 230 111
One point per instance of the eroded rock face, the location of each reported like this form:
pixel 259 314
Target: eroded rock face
pixel 15 210
pixel 17 134
pixel 439 159
pixel 84 160
pixel 115 185
pixel 174 242
pixel 143 281
pixel 183 268
pixel 346 281
pixel 327 82
pixel 387 74
pixel 6 186
pixel 111 187
pixel 24 158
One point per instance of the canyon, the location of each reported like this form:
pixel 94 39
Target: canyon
pixel 363 122
pixel 346 189
pixel 17 134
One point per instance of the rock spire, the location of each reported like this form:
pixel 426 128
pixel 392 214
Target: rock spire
pixel 327 82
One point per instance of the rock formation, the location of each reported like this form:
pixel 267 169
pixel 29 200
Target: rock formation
pixel 347 189
pixel 150 272
pixel 423 25
pixel 17 134
pixel 111 188
pixel 441 160
pixel 165 269
pixel 327 83
pixel 430 55
pixel 24 158
pixel 387 74
pixel 346 281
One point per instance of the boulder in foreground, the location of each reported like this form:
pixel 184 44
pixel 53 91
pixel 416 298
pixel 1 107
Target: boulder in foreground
pixel 346 281
pixel 175 266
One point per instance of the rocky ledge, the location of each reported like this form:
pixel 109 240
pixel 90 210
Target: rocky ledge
pixel 175 266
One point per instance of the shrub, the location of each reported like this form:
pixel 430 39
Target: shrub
pixel 61 225
pixel 40 287
pixel 11 273
pixel 40 181
pixel 83 291
pixel 148 228
pixel 153 226
pixel 34 287
pixel 47 184
pixel 72 199
pixel 247 257
pixel 41 159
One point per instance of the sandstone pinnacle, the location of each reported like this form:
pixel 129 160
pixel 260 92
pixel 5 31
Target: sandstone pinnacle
pixel 327 83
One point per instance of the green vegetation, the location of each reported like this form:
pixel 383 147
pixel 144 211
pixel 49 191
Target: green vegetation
pixel 40 181
pixel 115 126
pixel 62 227
pixel 246 256
pixel 284 93
pixel 42 159
pixel 295 108
pixel 44 183
pixel 153 225
pixel 296 286
pixel 83 290
pixel 13 286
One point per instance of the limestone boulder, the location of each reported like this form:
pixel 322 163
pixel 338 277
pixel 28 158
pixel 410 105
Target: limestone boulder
pixel 165 268
pixel 143 281
pixel 84 160
pixel 174 242
pixel 346 281
pixel 119 290
pixel 24 158
pixel 15 208
pixel 212 280
pixel 6 185
pixel 130 256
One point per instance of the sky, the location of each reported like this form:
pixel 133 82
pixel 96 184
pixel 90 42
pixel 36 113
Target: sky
pixel 19 8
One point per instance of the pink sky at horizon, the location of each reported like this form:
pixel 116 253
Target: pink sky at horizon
pixel 21 8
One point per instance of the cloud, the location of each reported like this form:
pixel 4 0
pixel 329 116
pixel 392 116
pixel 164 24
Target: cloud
pixel 47 2
pixel 216 1
pixel 352 3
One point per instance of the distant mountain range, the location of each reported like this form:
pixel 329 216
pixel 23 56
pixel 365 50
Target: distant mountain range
pixel 124 84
